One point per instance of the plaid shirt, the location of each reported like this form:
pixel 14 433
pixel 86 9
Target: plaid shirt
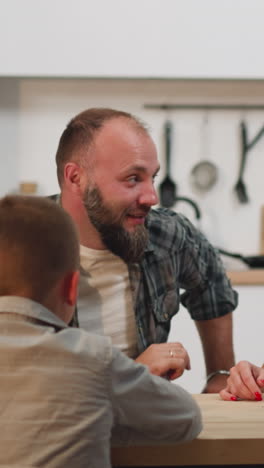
pixel 177 257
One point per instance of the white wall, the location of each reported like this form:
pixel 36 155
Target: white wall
pixel 9 151
pixel 125 38
pixel 248 327
pixel 45 106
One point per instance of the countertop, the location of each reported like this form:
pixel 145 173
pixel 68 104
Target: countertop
pixel 254 276
pixel 233 433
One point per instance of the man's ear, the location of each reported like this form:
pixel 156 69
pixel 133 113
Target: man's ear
pixel 70 288
pixel 72 176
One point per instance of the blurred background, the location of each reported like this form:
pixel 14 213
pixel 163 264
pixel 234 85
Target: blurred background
pixel 196 65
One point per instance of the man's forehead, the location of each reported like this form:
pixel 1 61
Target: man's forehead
pixel 121 141
pixel 121 128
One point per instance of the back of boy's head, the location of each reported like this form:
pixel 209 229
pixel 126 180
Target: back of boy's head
pixel 38 246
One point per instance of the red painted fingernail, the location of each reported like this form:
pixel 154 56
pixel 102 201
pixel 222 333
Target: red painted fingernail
pixel 258 396
pixel 233 398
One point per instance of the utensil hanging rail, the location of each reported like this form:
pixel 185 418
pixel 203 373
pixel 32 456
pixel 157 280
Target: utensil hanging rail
pixel 205 106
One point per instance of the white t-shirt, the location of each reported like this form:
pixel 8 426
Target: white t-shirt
pixel 105 304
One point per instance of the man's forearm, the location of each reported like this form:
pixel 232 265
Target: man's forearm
pixel 217 341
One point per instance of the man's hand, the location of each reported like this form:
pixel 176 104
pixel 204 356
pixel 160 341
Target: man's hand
pixel 245 382
pixel 166 359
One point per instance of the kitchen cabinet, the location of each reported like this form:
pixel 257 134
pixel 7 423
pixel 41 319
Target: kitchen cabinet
pixel 44 106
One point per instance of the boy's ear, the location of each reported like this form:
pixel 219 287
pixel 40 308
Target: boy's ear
pixel 70 287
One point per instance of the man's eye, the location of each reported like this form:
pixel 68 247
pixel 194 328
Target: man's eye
pixel 132 179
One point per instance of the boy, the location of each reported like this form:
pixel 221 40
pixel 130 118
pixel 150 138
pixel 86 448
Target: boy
pixel 65 392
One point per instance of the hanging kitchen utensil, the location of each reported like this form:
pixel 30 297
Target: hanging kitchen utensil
pixel 255 261
pixel 240 186
pixel 204 174
pixel 168 188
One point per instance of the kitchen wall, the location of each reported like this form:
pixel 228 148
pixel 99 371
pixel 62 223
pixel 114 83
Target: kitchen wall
pixel 9 135
pixel 248 325
pixel 35 112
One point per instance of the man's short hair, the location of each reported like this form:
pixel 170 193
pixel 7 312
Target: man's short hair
pixel 38 245
pixel 80 132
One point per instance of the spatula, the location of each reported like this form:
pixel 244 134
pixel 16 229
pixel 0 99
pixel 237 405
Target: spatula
pixel 167 187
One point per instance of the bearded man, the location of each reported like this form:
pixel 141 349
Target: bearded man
pixel 135 259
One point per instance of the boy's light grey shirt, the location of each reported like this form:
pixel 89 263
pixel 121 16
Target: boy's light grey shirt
pixel 65 392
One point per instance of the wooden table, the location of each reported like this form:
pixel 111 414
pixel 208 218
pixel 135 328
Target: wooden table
pixel 233 434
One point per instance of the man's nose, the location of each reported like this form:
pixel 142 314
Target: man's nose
pixel 149 196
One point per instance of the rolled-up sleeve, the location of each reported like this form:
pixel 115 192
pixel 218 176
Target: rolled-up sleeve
pixel 208 292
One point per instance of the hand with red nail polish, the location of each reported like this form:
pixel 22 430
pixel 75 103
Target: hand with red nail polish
pixel 258 396
pixel 245 382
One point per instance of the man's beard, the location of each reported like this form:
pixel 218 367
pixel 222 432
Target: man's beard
pixel 128 246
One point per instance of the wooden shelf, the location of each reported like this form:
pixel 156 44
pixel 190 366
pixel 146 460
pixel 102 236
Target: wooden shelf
pixel 247 277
